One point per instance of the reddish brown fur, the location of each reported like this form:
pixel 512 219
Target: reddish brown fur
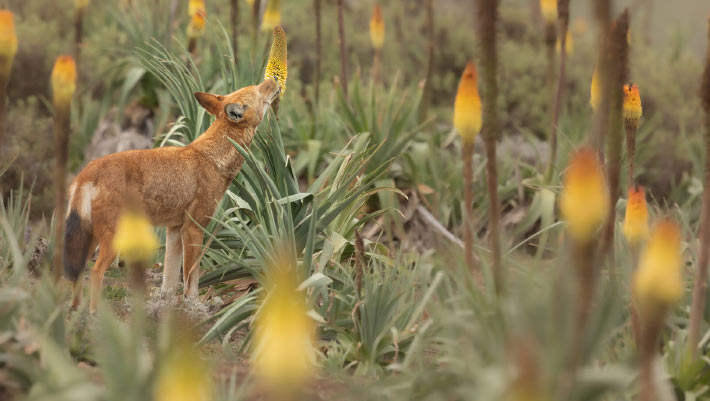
pixel 175 185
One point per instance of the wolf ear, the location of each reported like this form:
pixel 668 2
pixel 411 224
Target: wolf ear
pixel 211 103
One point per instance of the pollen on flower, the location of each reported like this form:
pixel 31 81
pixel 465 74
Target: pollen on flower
pixel 467 106
pixel 135 239
pixel 584 202
pixel 658 283
pixel 277 66
pixel 377 28
pixel 636 219
pixel 63 79
pixel 272 15
pixel 633 110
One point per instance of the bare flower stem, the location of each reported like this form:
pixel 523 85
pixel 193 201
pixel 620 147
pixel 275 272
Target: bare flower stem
pixel 468 218
pixel 234 21
pixel 602 10
pixel 431 47
pixel 61 151
pixel 376 54
pixel 316 78
pixel 630 153
pixel 651 331
pixel 563 13
pixel 697 307
pixel 488 25
pixel 343 50
pixel 78 34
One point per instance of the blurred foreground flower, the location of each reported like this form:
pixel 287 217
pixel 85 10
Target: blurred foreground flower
pixel 657 283
pixel 135 239
pixel 184 376
pixel 272 15
pixel 548 8
pixel 277 66
pixel 284 357
pixel 467 106
pixel 63 80
pixel 636 219
pixel 584 201
pixel 377 27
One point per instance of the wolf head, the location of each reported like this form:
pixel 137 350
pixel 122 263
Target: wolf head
pixel 245 107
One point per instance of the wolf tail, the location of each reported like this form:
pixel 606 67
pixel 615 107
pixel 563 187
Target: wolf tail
pixel 77 238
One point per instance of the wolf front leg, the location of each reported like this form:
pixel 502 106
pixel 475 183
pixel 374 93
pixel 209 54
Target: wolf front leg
pixel 192 250
pixel 173 257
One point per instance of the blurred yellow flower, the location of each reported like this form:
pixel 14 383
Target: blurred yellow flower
pixel 467 106
pixel 8 41
pixel 183 376
pixel 277 66
pixel 549 10
pixel 135 239
pixel 636 219
pixel 196 6
pixel 594 92
pixel 377 27
pixel 81 4
pixel 272 15
pixel 196 27
pixel 284 335
pixel 569 43
pixel 657 283
pixel 632 106
pixel 63 80
pixel 250 2
pixel 584 201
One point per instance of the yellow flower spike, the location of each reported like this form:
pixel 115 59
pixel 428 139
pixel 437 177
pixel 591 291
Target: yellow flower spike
pixel 467 106
pixel 277 66
pixel 196 6
pixel 135 239
pixel 284 336
pixel 584 201
pixel 636 219
pixel 633 110
pixel 657 283
pixel 8 41
pixel 272 15
pixel 549 10
pixel 63 80
pixel 377 28
pixel 184 376
pixel 196 27
pixel 81 4
pixel 595 91
pixel 569 44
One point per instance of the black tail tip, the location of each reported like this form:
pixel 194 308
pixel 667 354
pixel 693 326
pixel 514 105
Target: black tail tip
pixel 77 237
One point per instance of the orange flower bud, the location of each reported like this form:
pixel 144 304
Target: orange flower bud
pixel 8 42
pixel 549 10
pixel 63 79
pixel 467 106
pixel 584 201
pixel 377 28
pixel 657 283
pixel 632 106
pixel 196 28
pixel 636 219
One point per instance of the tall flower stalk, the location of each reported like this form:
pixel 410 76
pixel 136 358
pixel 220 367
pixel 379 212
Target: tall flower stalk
pixel 80 7
pixel 277 65
pixel 8 48
pixel 636 232
pixel 467 121
pixel 600 80
pixel 319 50
pixel 377 39
pixel 617 63
pixel 488 26
pixel 343 50
pixel 632 111
pixel 697 308
pixel 63 88
pixel 196 28
pixel 234 21
pixel 431 47
pixel 563 21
